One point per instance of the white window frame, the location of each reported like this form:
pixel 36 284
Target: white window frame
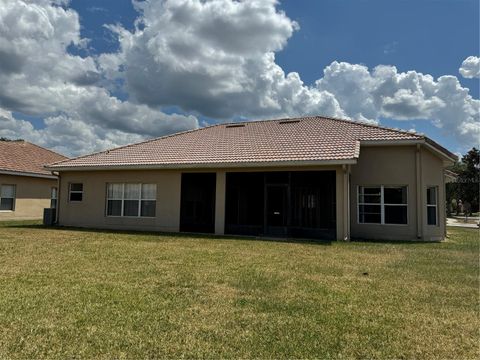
pixel 14 197
pixel 123 200
pixel 382 204
pixel 433 205
pixel 70 192
pixel 368 204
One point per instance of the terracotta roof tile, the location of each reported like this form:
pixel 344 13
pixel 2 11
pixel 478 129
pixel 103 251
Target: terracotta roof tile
pixel 302 139
pixel 25 157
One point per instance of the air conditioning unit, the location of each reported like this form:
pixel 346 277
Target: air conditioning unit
pixel 49 215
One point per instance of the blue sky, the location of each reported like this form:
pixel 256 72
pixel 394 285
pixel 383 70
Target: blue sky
pixel 428 36
pixel 424 36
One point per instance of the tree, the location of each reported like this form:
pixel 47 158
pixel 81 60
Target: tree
pixel 466 187
pixel 470 178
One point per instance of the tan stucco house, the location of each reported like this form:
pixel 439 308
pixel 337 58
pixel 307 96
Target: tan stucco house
pixel 26 187
pixel 311 177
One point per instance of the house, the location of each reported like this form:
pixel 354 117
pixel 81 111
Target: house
pixel 310 177
pixel 26 187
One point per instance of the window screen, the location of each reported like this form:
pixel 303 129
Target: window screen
pixel 432 209
pixel 7 197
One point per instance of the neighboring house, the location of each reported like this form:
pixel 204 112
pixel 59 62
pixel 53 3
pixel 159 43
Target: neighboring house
pixel 311 177
pixel 26 187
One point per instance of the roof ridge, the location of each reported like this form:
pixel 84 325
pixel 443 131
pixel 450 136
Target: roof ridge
pixel 367 124
pixel 17 141
pixel 44 148
pixel 135 144
pixel 351 121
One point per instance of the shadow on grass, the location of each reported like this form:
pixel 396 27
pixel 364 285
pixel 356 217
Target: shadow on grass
pixel 395 242
pixel 38 225
pixel 22 225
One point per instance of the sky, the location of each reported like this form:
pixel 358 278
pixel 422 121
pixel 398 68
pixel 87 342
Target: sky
pixel 85 75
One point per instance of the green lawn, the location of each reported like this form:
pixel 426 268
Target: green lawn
pixel 68 293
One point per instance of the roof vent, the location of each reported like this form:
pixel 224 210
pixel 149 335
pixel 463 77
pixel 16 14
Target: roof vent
pixel 289 121
pixel 234 125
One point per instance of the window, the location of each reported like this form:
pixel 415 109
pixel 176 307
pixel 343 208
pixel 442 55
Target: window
pixel 382 205
pixel 138 200
pixel 53 198
pixel 76 192
pixel 7 197
pixel 395 205
pixel 369 205
pixel 432 210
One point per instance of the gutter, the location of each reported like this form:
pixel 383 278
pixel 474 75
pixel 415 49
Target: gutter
pixel 29 174
pixel 232 165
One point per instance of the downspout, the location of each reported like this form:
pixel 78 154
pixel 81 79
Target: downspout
pixel 346 202
pixel 57 210
pixel 418 170
pixel 444 190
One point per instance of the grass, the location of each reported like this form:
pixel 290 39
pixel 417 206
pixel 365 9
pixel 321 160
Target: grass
pixel 68 293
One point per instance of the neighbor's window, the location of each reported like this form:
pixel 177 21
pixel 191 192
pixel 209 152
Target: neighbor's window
pixel 382 205
pixel 53 198
pixel 76 192
pixel 7 197
pixel 137 200
pixel 432 209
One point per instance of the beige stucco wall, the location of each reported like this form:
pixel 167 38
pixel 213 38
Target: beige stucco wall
pixel 32 196
pixel 433 175
pixel 381 165
pixel 377 165
pixel 91 211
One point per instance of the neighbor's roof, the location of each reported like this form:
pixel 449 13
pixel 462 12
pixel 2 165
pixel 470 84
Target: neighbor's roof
pixel 18 157
pixel 306 140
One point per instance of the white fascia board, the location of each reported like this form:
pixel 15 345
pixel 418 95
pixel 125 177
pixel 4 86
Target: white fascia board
pixel 28 174
pixel 267 164
pixel 391 142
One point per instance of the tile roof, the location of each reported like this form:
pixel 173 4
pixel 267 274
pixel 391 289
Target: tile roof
pixel 301 139
pixel 24 157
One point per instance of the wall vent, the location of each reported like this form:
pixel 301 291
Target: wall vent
pixel 235 125
pixel 289 121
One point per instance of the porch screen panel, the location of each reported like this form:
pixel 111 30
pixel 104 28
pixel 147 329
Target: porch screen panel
pixel 244 210
pixel 313 199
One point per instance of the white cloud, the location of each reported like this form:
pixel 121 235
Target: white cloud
pixel 385 92
pixel 215 58
pixel 470 67
pixel 40 78
pixel 64 134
